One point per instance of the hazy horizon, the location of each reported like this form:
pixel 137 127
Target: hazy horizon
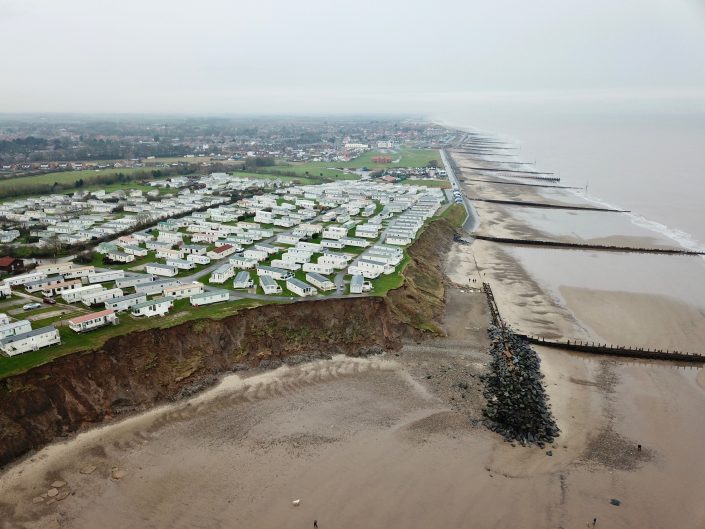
pixel 275 57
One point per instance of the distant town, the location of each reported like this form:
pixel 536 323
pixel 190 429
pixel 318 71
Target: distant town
pixel 229 221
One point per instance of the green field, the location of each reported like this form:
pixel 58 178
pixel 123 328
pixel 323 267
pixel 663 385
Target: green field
pixel 443 184
pixel 258 176
pixel 65 177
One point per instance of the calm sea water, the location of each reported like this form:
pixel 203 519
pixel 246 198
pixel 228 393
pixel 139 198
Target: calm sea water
pixel 650 161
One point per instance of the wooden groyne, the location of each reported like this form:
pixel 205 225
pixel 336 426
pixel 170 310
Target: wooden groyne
pixel 518 171
pixel 591 347
pixel 617 350
pixel 521 184
pixel 583 246
pixel 544 205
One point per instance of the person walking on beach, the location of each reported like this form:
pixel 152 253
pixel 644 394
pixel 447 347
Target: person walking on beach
pixel 315 524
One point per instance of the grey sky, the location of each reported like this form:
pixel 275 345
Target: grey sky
pixel 263 56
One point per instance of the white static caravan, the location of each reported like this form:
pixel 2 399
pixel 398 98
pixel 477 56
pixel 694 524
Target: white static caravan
pixel 125 302
pixel 285 238
pixel 24 278
pixel 15 327
pixel 269 285
pixel 137 251
pixel 397 240
pixel 79 272
pixel 300 288
pixel 208 298
pixel 54 268
pixel 154 307
pixel 74 295
pixel 318 268
pixel 332 243
pixel 222 251
pixel 368 268
pixel 4 319
pixel 170 237
pixel 161 270
pixel 242 262
pixel 334 232
pixel 320 282
pixel 181 264
pixel 103 277
pixel 198 259
pixel 39 284
pixel 222 273
pixel 58 288
pixel 133 281
pixel 356 284
pixel 120 257
pixel 273 272
pixel 255 255
pixel 336 260
pixel 30 341
pixel 354 241
pixel 168 253
pixel 156 287
pixel 184 291
pixel 5 289
pixel 243 280
pixel 93 320
pixel 286 265
pixel 101 296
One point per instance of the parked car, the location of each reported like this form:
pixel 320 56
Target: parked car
pixel 31 306
pixel 50 301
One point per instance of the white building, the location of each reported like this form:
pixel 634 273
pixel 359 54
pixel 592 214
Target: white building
pixel 101 296
pixel 15 327
pixel 222 273
pixel 273 272
pixel 125 302
pixel 300 288
pixel 74 295
pixel 318 268
pixel 102 277
pixel 184 291
pixel 320 282
pixel 356 284
pixel 161 270
pixel 30 341
pixel 154 307
pixel 208 298
pixel 269 285
pixel 94 320
pixel 243 280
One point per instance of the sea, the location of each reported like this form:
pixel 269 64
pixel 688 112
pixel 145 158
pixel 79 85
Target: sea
pixel 647 158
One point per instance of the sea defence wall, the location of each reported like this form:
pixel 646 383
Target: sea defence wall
pixel 519 183
pixel 583 246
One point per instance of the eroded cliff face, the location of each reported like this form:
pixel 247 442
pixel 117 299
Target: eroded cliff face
pixel 138 370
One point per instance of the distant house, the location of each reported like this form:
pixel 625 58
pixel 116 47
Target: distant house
pixel 93 320
pixel 10 264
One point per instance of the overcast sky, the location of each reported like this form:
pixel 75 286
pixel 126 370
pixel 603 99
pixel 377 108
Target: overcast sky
pixel 304 56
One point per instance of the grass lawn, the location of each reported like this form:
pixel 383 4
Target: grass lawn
pixel 455 214
pixel 402 157
pixel 257 176
pixel 98 262
pixel 443 184
pixel 385 283
pixel 72 342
